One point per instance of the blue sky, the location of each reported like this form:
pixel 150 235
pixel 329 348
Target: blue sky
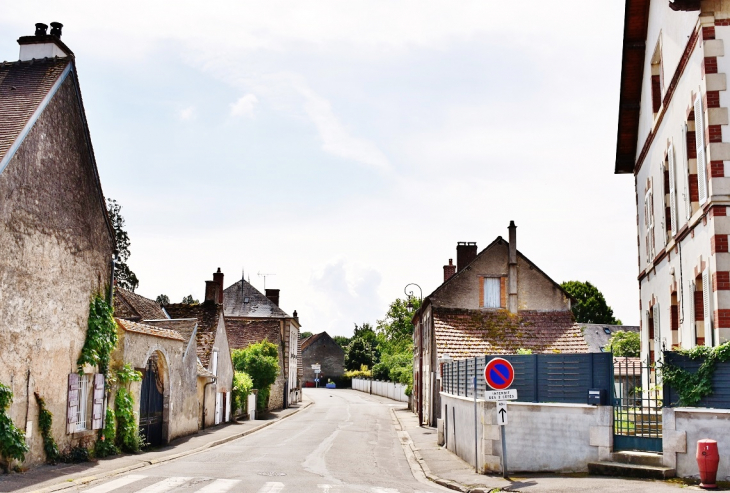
pixel 345 147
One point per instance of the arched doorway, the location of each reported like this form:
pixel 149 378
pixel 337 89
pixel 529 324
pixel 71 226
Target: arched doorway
pixel 151 401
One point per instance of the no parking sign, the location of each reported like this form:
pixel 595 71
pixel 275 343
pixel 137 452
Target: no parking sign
pixel 499 374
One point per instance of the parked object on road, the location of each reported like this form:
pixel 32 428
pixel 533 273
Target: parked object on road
pixel 331 385
pixel 707 460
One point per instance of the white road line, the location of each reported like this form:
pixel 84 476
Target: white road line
pixel 328 488
pixel 165 485
pixel 272 487
pixel 220 486
pixel 117 483
pixel 384 490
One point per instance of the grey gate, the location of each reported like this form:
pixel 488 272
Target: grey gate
pixel 637 412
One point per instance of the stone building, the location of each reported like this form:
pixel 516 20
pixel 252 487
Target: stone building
pixel 673 137
pixel 493 302
pixel 56 242
pixel 323 350
pixel 252 317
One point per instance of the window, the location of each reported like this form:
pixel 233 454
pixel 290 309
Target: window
pixel 657 78
pixel 493 293
pixel 214 364
pixel 700 144
pixel 687 155
pixel 672 183
pixel 649 222
pixel 85 402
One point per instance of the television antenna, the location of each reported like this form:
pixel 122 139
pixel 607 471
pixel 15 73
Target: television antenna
pixel 264 275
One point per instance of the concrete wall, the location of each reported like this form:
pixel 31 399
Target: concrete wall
pixel 55 253
pixel 391 390
pixel 683 427
pixel 540 437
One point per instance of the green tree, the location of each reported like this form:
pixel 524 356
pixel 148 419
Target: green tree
pixel 122 273
pixel 242 387
pixel 342 341
pixel 304 335
pixel 362 349
pixel 261 362
pixel 396 328
pixel 624 343
pixel 591 307
pixel 189 300
pixel 163 299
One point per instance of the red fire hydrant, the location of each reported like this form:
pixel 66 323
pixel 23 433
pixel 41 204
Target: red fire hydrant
pixel 707 461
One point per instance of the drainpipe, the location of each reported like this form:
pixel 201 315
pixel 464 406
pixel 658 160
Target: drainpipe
pixel 512 273
pixel 205 387
pixel 110 298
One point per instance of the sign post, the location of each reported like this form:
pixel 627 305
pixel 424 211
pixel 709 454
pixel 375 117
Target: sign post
pixel 317 369
pixel 499 375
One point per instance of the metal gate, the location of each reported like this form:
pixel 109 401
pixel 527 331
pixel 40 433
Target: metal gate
pixel 150 404
pixel 637 412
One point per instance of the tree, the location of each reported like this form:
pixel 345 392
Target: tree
pixel 305 334
pixel 189 300
pixel 363 348
pixel 261 362
pixel 342 341
pixel 624 343
pixel 163 299
pixel 396 328
pixel 122 273
pixel 591 307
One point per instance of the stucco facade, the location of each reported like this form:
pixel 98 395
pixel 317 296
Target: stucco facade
pixel 677 146
pixel 56 242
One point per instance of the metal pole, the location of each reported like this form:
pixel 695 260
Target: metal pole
pixel 476 440
pixel 504 452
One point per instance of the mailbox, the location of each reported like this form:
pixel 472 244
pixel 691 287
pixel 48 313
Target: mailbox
pixel 597 397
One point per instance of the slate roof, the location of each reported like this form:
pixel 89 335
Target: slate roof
pixel 207 315
pixel 258 305
pixel 596 336
pixel 149 330
pixel 134 307
pixel 242 333
pixel 23 85
pixel 462 333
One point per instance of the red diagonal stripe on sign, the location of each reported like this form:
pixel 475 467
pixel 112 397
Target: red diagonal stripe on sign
pixel 494 368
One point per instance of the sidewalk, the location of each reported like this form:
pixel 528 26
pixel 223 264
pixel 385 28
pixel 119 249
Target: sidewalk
pixel 445 468
pixel 48 478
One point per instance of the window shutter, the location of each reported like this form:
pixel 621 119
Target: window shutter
pixel 706 304
pixel 214 368
pixel 657 330
pixel 492 292
pixel 700 143
pixel 73 402
pixel 97 417
pixel 685 173
pixel 672 190
pixel 647 222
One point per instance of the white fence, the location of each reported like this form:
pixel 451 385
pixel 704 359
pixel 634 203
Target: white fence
pixel 391 390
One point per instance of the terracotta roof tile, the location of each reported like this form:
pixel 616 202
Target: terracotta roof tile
pixel 149 330
pixel 207 315
pixel 464 333
pixel 185 326
pixel 135 307
pixel 23 85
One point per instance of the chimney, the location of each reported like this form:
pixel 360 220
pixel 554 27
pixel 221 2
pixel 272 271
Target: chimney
pixel 512 272
pixel 466 251
pixel 42 45
pixel 273 295
pixel 449 270
pixel 214 288
pixel 296 316
pixel 218 278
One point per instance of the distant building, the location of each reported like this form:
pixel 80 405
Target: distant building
pixel 598 335
pixel 673 138
pixel 493 302
pixel 323 350
pixel 56 243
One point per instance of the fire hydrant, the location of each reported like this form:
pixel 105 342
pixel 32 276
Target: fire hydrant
pixel 707 461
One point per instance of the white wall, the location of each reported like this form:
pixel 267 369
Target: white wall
pixel 683 427
pixel 391 390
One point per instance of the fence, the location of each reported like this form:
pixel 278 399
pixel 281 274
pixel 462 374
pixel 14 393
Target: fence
pixel 720 397
pixel 391 390
pixel 562 378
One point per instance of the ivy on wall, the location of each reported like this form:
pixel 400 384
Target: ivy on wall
pixel 104 446
pixel 127 433
pixel 101 336
pixel 45 424
pixel 692 387
pixel 12 440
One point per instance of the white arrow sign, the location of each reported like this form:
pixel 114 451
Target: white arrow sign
pixel 501 413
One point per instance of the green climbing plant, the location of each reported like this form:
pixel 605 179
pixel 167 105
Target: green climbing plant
pixel 127 433
pixel 692 387
pixel 12 439
pixel 104 446
pixel 45 424
pixel 101 336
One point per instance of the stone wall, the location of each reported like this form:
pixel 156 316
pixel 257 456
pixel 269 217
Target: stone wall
pixel 55 253
pixel 327 353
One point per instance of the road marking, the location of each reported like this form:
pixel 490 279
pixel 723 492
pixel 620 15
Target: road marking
pixel 328 488
pixel 272 487
pixel 220 486
pixel 165 485
pixel 384 490
pixel 117 483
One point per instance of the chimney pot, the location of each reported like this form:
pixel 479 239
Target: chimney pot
pixel 466 251
pixel 56 29
pixel 218 279
pixel 449 270
pixel 40 29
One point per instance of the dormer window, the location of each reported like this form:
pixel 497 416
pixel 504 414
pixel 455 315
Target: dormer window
pixel 657 78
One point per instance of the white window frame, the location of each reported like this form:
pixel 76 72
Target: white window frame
pixel 672 169
pixel 214 363
pixel 489 303
pixel 649 222
pixel 685 172
pixel 707 306
pixel 82 413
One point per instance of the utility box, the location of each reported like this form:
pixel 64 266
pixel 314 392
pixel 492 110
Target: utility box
pixel 597 397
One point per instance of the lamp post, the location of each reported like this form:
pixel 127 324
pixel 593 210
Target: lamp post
pixel 410 294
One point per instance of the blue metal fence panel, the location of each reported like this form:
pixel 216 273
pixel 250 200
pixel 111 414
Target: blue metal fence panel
pixel 720 397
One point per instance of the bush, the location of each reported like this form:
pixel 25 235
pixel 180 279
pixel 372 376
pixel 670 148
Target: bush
pixel 624 344
pixel 242 387
pixel 363 372
pixel 104 446
pixel 261 362
pixel 12 439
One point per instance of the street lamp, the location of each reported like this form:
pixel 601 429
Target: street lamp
pixel 410 294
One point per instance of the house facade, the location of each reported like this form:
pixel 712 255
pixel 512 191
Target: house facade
pixel 492 302
pixel 321 349
pixel 673 137
pixel 56 242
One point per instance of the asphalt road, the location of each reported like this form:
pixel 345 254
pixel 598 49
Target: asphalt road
pixel 344 442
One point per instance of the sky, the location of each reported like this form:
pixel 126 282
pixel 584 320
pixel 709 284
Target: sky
pixel 342 149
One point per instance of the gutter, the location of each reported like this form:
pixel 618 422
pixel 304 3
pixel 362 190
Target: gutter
pixel 204 389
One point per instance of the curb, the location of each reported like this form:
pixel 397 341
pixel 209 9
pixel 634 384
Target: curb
pixel 419 466
pixel 146 463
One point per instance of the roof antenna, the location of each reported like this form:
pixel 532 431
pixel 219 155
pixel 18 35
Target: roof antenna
pixel 264 276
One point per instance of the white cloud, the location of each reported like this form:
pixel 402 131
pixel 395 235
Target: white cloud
pixel 187 114
pixel 244 106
